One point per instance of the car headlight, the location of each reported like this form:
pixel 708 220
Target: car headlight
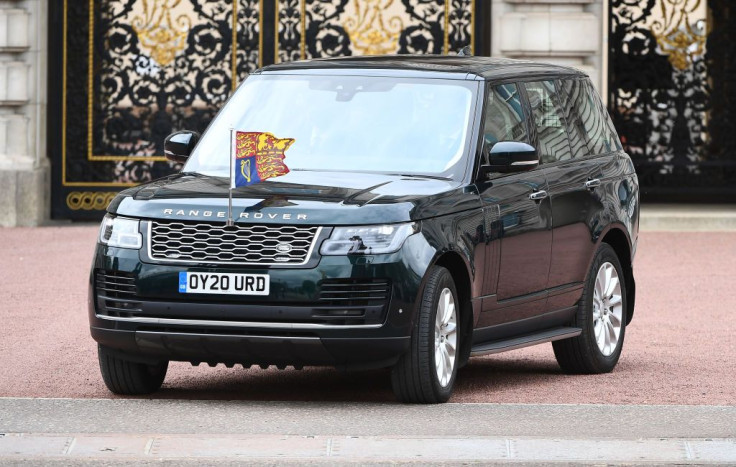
pixel 367 240
pixel 120 232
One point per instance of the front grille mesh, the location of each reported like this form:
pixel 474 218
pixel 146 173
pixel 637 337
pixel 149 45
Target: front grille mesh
pixel 116 293
pixel 115 284
pixel 238 244
pixel 354 292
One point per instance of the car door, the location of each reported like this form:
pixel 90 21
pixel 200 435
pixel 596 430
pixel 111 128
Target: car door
pixel 575 187
pixel 518 214
pixel 557 153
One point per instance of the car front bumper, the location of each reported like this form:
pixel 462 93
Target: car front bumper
pixel 295 325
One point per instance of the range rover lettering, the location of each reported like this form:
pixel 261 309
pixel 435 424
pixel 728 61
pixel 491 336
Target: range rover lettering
pixel 435 208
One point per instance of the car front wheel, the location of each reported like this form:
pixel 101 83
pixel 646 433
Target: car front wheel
pixel 601 315
pixel 130 378
pixel 426 373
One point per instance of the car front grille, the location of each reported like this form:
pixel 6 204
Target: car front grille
pixel 239 244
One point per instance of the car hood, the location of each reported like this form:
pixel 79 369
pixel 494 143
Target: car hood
pixel 300 197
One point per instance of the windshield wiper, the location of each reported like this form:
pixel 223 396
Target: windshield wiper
pixel 199 174
pixel 433 177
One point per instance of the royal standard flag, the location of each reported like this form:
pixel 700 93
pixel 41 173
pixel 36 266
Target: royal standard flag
pixel 258 157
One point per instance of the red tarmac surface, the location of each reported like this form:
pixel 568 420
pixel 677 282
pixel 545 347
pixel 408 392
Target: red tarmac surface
pixel 680 348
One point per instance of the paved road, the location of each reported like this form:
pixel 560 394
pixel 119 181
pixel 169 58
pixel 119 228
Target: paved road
pixel 212 418
pixel 679 350
pixel 678 357
pixel 80 431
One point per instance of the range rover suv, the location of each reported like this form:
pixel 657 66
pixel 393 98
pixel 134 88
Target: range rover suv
pixel 436 208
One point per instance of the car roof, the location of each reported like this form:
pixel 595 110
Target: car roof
pixel 485 67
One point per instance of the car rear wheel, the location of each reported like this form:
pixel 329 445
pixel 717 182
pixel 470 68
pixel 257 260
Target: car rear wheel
pixel 601 315
pixel 130 378
pixel 426 373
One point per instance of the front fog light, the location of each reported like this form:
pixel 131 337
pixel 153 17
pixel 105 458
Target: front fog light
pixel 120 232
pixel 367 240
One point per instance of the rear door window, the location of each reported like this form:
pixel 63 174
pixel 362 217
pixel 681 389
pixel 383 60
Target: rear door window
pixel 571 91
pixel 549 121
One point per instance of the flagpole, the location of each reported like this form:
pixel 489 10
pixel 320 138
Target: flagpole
pixel 230 188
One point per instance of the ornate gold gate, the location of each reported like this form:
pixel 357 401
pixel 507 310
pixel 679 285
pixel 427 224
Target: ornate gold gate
pixel 671 94
pixel 126 73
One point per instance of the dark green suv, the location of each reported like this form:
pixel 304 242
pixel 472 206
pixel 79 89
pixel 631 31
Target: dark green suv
pixel 436 208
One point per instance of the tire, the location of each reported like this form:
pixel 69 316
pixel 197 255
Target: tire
pixel 595 350
pixel 415 378
pixel 130 378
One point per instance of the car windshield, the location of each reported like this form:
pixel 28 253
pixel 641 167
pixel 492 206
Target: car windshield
pixel 349 123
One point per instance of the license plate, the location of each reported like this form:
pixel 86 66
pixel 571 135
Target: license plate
pixel 223 283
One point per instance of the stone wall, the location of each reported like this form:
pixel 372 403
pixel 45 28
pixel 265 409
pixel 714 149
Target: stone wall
pixel 565 32
pixel 25 183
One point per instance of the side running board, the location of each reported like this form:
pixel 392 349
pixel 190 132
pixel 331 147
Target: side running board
pixel 555 334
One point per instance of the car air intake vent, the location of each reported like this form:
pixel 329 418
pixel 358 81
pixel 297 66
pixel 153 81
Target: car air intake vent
pixel 238 244
pixel 114 284
pixel 116 293
pixel 355 292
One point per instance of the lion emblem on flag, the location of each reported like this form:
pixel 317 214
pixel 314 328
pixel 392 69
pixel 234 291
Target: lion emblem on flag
pixel 258 157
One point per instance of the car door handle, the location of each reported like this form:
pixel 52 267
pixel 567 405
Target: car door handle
pixel 592 183
pixel 538 195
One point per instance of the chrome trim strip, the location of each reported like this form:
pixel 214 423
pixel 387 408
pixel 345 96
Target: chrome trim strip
pixel 521 163
pixel 235 263
pixel 196 334
pixel 229 324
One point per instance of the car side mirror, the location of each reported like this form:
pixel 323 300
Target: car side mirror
pixel 178 146
pixel 511 156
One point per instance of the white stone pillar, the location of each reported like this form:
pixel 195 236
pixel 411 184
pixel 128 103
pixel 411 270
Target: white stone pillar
pixel 24 166
pixel 565 32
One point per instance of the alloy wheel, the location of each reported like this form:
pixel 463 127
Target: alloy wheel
pixel 445 337
pixel 607 309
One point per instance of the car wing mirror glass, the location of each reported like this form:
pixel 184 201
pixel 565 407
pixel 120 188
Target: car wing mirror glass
pixel 178 146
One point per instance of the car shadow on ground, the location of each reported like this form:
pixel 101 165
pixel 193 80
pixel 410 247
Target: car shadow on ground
pixel 486 375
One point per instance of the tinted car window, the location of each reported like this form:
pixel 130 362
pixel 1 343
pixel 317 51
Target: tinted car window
pixel 504 116
pixel 612 136
pixel 590 117
pixel 548 118
pixel 572 92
